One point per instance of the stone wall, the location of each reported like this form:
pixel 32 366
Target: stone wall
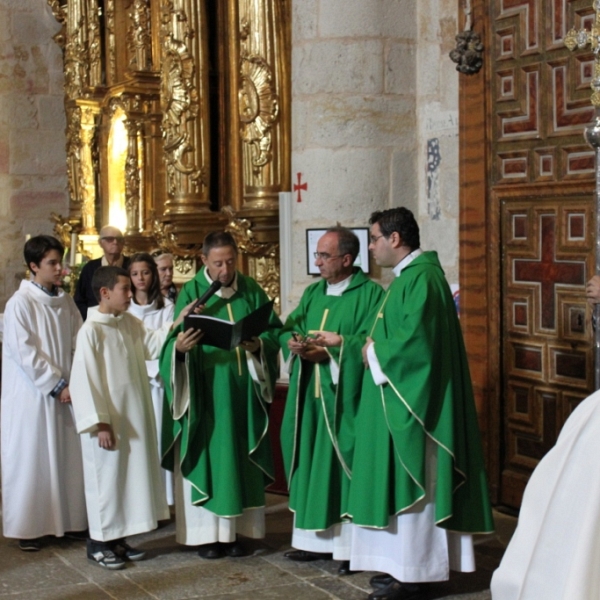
pixel 437 115
pixel 372 89
pixel 32 132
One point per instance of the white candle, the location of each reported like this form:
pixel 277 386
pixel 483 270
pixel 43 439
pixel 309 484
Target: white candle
pixel 73 248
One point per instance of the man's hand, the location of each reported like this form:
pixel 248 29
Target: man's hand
pixel 315 354
pixel 186 340
pixel 592 290
pixel 65 395
pixel 327 339
pixel 251 346
pixel 296 347
pixel 184 311
pixel 106 439
pixel 364 352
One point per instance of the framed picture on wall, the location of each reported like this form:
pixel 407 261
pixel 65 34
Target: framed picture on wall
pixel 313 236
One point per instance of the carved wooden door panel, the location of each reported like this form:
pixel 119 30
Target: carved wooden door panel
pixel 540 187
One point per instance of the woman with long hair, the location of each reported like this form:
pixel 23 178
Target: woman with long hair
pixel 151 307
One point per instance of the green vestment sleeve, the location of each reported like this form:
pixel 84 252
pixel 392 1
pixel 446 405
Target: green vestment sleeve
pixel 317 434
pixel 216 411
pixel 419 346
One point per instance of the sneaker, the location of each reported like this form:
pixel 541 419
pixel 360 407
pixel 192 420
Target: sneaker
pixel 107 559
pixel 30 545
pixel 124 550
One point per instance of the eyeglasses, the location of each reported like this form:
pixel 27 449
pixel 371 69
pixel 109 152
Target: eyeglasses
pixel 111 238
pixel 326 255
pixel 374 238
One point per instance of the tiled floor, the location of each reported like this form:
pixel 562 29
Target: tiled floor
pixel 61 571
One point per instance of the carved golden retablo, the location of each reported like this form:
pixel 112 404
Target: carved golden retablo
pixel 175 110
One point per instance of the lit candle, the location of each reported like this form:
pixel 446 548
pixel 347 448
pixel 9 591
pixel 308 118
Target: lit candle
pixel 73 248
pixel 27 237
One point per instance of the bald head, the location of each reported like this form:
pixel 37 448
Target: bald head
pixel 110 231
pixel 111 241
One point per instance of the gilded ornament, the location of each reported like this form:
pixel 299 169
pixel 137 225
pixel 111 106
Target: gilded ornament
pixel 164 234
pixel 139 38
pixel 180 100
pixel 241 230
pixel 62 229
pixel 259 108
pixel 578 40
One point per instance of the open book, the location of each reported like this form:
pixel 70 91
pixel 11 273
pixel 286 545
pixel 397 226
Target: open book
pixel 227 335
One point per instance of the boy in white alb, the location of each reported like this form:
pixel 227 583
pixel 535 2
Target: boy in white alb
pixel 114 415
pixel 42 474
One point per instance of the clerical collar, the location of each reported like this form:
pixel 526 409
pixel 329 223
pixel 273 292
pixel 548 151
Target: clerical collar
pixel 406 261
pixel 337 289
pixel 225 291
pixel 53 292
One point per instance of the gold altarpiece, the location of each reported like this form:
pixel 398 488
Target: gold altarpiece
pixel 178 117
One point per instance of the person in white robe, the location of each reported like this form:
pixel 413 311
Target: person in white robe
pixel 555 551
pixel 114 414
pixel 42 472
pixel 154 310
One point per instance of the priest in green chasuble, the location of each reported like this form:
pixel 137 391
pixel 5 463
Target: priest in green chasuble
pixel 214 434
pixel 317 434
pixel 418 490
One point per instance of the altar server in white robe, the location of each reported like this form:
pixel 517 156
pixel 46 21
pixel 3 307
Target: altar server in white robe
pixel 42 473
pixel 554 553
pixel 114 415
pixel 154 310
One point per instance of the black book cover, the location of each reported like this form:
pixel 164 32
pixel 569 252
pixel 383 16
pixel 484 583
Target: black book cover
pixel 227 335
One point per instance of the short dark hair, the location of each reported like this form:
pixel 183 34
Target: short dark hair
pixel 218 239
pixel 400 220
pixel 154 290
pixel 37 247
pixel 106 277
pixel 348 242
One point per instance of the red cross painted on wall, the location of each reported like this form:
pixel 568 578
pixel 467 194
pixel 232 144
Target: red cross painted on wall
pixel 548 272
pixel 298 187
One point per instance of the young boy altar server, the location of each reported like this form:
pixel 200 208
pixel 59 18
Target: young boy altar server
pixel 42 473
pixel 113 410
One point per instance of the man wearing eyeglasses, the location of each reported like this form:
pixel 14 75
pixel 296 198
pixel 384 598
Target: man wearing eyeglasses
pixel 418 489
pixel 111 241
pixel 317 434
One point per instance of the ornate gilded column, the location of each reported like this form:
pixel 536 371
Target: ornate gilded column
pixel 262 90
pixel 132 175
pixel 184 102
pixel 87 181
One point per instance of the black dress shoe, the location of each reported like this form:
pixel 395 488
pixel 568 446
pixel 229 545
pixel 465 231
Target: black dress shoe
pixel 381 581
pixel 397 590
pixel 211 551
pixel 234 549
pixel 344 568
pixel 306 556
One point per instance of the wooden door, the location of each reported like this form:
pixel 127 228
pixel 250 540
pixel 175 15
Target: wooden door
pixel 527 229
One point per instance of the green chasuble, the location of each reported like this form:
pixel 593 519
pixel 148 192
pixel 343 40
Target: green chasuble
pixel 419 345
pixel 317 433
pixel 216 410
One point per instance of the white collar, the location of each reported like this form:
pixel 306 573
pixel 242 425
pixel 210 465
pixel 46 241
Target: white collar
pixel 337 289
pixel 406 261
pixel 225 291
